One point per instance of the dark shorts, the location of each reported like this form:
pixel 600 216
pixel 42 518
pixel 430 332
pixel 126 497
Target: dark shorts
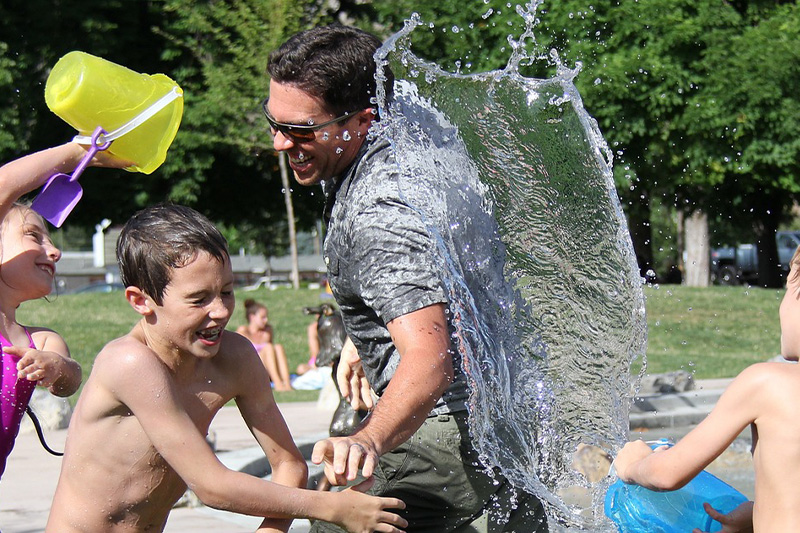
pixel 446 489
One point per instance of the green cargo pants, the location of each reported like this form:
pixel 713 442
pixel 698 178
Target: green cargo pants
pixel 446 489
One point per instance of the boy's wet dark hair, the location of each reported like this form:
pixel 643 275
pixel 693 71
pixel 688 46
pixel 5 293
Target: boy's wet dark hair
pixel 334 63
pixel 163 237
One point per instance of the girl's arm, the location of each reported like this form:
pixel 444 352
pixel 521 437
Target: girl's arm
pixel 32 171
pixel 50 363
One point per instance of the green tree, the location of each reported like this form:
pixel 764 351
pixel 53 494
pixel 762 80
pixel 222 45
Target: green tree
pixel 33 36
pixel 750 109
pixel 693 97
pixel 221 161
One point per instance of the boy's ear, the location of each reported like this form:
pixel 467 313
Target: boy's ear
pixel 140 302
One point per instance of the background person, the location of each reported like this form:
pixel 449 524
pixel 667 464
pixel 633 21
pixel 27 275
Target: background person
pixel 259 331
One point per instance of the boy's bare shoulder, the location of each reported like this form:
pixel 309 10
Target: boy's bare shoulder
pixel 126 353
pixel 767 370
pixel 768 379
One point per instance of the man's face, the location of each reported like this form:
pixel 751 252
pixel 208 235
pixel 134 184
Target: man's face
pixel 333 148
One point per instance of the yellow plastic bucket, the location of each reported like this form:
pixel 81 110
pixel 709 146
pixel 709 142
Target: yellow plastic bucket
pixel 87 91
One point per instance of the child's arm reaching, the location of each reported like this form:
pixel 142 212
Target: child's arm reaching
pixel 672 468
pixel 49 363
pixel 32 171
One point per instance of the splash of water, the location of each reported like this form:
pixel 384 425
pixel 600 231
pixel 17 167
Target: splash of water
pixel 547 301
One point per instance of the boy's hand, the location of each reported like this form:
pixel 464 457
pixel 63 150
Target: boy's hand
pixel 343 457
pixel 364 513
pixel 740 520
pixel 629 455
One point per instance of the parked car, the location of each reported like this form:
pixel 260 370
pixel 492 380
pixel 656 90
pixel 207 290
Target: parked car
pixel 733 265
pixel 269 282
pixel 98 286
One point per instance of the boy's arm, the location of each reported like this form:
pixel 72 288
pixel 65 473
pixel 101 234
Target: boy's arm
pixel 139 380
pixel 264 419
pixel 672 468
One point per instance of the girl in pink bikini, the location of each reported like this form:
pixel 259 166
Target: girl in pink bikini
pixel 259 331
pixel 31 355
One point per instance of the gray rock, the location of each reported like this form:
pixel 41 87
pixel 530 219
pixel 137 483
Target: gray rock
pixel 53 412
pixel 677 381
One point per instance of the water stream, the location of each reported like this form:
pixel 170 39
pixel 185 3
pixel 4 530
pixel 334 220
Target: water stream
pixel 547 299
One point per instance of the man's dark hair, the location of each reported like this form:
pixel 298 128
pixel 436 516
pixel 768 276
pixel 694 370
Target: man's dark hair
pixel 163 237
pixel 334 63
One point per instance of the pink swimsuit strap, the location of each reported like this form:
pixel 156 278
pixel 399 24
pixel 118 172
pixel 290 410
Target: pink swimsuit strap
pixel 5 342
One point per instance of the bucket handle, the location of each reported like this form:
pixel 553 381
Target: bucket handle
pixel 136 121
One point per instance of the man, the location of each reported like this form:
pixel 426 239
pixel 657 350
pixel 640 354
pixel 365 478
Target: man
pixel 386 278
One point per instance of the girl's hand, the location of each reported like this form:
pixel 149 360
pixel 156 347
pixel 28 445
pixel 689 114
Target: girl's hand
pixel 48 369
pixel 102 158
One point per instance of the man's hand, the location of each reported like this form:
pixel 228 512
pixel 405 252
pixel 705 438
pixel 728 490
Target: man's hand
pixel 740 520
pixel 351 380
pixel 343 457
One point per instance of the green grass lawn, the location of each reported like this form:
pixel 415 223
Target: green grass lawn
pixel 713 332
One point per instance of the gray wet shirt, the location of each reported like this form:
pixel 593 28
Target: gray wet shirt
pixel 381 264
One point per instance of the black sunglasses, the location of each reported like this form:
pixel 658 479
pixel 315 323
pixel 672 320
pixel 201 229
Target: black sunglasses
pixel 297 132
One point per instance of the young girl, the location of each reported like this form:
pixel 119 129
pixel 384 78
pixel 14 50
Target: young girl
pixel 31 355
pixel 259 331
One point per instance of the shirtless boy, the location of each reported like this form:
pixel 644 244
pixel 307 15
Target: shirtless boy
pixel 136 439
pixel 764 396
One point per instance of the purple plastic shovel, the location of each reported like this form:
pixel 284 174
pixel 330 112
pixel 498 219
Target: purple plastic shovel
pixel 62 191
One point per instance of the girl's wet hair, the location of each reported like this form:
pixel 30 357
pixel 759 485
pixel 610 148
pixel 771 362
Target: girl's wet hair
pixel 334 63
pixel 161 238
pixel 25 210
pixel 252 307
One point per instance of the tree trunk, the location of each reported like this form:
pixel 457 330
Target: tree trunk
pixel 698 253
pixel 287 198
pixel 769 273
pixel 641 233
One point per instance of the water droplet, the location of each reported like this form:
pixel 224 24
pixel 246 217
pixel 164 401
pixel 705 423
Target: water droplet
pixel 346 136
